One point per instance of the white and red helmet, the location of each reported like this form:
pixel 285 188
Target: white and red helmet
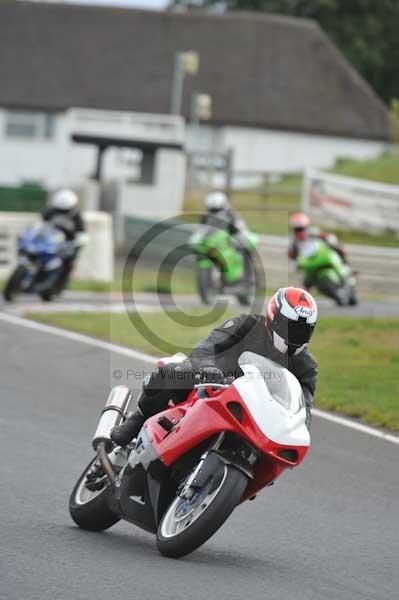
pixel 291 319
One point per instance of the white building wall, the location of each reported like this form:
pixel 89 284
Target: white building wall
pixel 165 197
pixel 279 151
pixel 59 162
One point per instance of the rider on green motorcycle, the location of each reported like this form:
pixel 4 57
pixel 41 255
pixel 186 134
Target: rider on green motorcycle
pixel 219 210
pixel 302 231
pixel 323 262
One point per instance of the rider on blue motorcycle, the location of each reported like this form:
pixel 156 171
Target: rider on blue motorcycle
pixel 62 211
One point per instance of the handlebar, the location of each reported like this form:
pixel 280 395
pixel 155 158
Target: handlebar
pixel 218 386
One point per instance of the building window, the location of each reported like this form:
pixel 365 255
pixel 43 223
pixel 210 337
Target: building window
pixel 29 125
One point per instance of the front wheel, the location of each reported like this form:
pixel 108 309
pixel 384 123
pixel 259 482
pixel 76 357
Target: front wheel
pixel 47 296
pixel 89 509
pixel 208 283
pixel 14 284
pixel 187 524
pixel 252 280
pixel 353 297
pixel 332 290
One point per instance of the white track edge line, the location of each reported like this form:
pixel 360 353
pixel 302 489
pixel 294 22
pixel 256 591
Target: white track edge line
pixel 85 339
pixel 77 337
pixel 345 422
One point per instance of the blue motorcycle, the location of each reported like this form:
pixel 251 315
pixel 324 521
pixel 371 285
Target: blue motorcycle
pixel 41 253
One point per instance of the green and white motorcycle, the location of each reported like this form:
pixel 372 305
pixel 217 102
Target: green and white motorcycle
pixel 325 269
pixel 224 265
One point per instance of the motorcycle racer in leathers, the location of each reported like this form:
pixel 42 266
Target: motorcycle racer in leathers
pixel 281 335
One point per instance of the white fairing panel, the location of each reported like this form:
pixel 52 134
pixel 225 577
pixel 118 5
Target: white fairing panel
pixel 281 424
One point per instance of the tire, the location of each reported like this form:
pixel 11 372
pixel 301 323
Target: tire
pixel 93 514
pixel 331 290
pixel 353 300
pixel 197 532
pixel 47 296
pixel 206 286
pixel 353 297
pixel 58 285
pixel 252 278
pixel 13 285
pixel 244 299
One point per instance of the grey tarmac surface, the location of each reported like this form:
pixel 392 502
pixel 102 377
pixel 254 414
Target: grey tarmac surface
pixel 147 302
pixel 327 531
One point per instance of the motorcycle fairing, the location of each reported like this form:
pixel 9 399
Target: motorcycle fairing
pixel 277 423
pixel 319 260
pixel 38 249
pixel 212 244
pixel 200 418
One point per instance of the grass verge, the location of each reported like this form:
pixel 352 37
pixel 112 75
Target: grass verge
pixel 358 358
pixel 145 280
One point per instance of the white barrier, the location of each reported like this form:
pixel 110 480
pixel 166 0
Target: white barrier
pixel 95 261
pixel 351 203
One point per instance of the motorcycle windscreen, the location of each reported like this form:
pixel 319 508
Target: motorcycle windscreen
pixel 43 238
pixel 283 386
pixel 274 398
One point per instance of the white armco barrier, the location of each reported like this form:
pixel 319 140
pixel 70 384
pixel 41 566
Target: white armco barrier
pixel 95 261
pixel 351 203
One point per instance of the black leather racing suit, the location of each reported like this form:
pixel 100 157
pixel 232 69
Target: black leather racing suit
pixel 71 224
pixel 222 348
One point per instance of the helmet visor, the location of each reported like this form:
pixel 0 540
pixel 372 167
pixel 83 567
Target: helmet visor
pixel 294 333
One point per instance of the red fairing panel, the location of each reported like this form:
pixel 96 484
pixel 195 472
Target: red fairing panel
pixel 199 419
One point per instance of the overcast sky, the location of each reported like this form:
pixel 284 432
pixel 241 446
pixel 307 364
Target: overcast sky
pixel 153 4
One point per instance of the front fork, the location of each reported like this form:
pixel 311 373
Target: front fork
pixel 200 475
pixel 31 271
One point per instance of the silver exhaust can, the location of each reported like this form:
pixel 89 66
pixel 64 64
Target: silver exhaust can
pixel 114 413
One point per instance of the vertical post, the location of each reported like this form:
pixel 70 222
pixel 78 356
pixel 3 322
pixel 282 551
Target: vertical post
pixel 195 117
pixel 99 163
pixel 229 171
pixel 177 85
pixel 185 63
pixel 266 188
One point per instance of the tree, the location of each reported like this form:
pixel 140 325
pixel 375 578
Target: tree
pixel 366 31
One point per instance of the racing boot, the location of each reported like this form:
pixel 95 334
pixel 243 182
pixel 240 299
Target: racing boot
pixel 123 434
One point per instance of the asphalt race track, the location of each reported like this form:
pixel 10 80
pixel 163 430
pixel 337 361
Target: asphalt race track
pixel 328 531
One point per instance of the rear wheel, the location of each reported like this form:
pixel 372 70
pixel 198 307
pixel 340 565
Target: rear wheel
pixel 14 283
pixel 187 524
pixel 89 509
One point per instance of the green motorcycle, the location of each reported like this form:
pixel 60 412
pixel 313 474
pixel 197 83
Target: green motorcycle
pixel 325 269
pixel 223 266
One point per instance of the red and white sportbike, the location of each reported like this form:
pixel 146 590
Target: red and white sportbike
pixel 192 464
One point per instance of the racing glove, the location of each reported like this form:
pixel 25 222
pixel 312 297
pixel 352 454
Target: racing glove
pixel 210 374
